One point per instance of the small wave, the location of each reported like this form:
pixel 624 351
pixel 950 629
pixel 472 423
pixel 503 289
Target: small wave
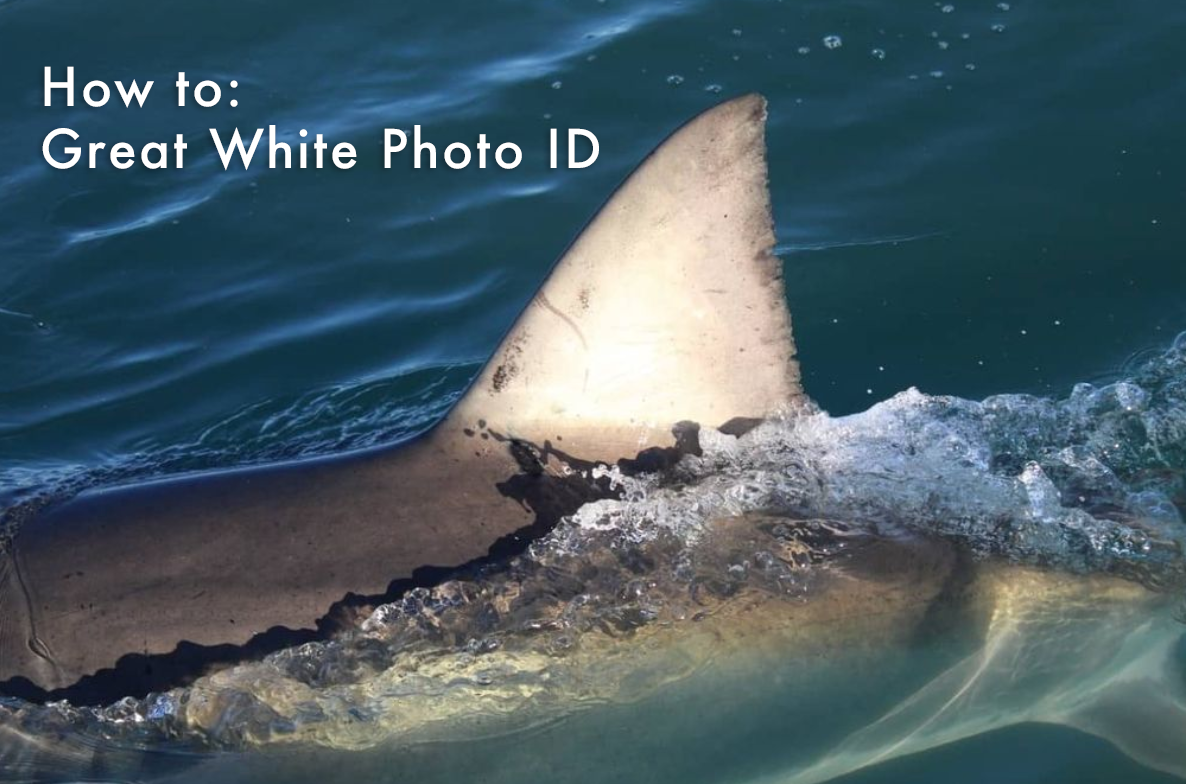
pixel 150 217
pixel 15 314
pixel 858 242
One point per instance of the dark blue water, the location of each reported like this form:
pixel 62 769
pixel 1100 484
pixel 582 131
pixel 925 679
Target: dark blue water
pixel 972 199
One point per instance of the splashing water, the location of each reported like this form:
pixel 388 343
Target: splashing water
pixel 1092 482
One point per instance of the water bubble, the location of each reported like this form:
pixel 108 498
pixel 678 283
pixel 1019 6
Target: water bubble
pixel 998 28
pixel 736 31
pixel 936 74
pixel 804 50
pixel 832 42
pixel 878 53
pixel 947 9
pixel 556 85
pixel 1130 396
pixel 675 80
pixel 1003 6
pixel 160 706
pixel 970 66
pixel 943 44
pixel 713 88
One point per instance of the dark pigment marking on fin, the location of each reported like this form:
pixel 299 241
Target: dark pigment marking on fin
pixel 508 368
pixel 739 426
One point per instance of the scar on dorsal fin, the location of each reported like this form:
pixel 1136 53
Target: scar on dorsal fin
pixel 668 307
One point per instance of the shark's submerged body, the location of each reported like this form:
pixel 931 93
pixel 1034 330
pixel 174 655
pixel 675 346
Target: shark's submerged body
pixel 712 563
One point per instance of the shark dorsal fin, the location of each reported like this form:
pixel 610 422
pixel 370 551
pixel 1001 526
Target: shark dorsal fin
pixel 668 307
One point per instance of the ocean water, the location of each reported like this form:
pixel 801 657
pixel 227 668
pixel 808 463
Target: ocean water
pixel 973 199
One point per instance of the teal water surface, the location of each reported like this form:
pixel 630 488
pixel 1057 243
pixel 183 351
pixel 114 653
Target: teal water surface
pixel 971 198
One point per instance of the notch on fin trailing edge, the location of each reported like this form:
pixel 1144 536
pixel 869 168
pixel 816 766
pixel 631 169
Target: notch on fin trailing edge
pixel 669 306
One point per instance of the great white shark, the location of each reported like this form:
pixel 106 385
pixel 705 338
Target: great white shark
pixel 666 316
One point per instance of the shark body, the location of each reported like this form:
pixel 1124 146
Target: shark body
pixel 666 316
